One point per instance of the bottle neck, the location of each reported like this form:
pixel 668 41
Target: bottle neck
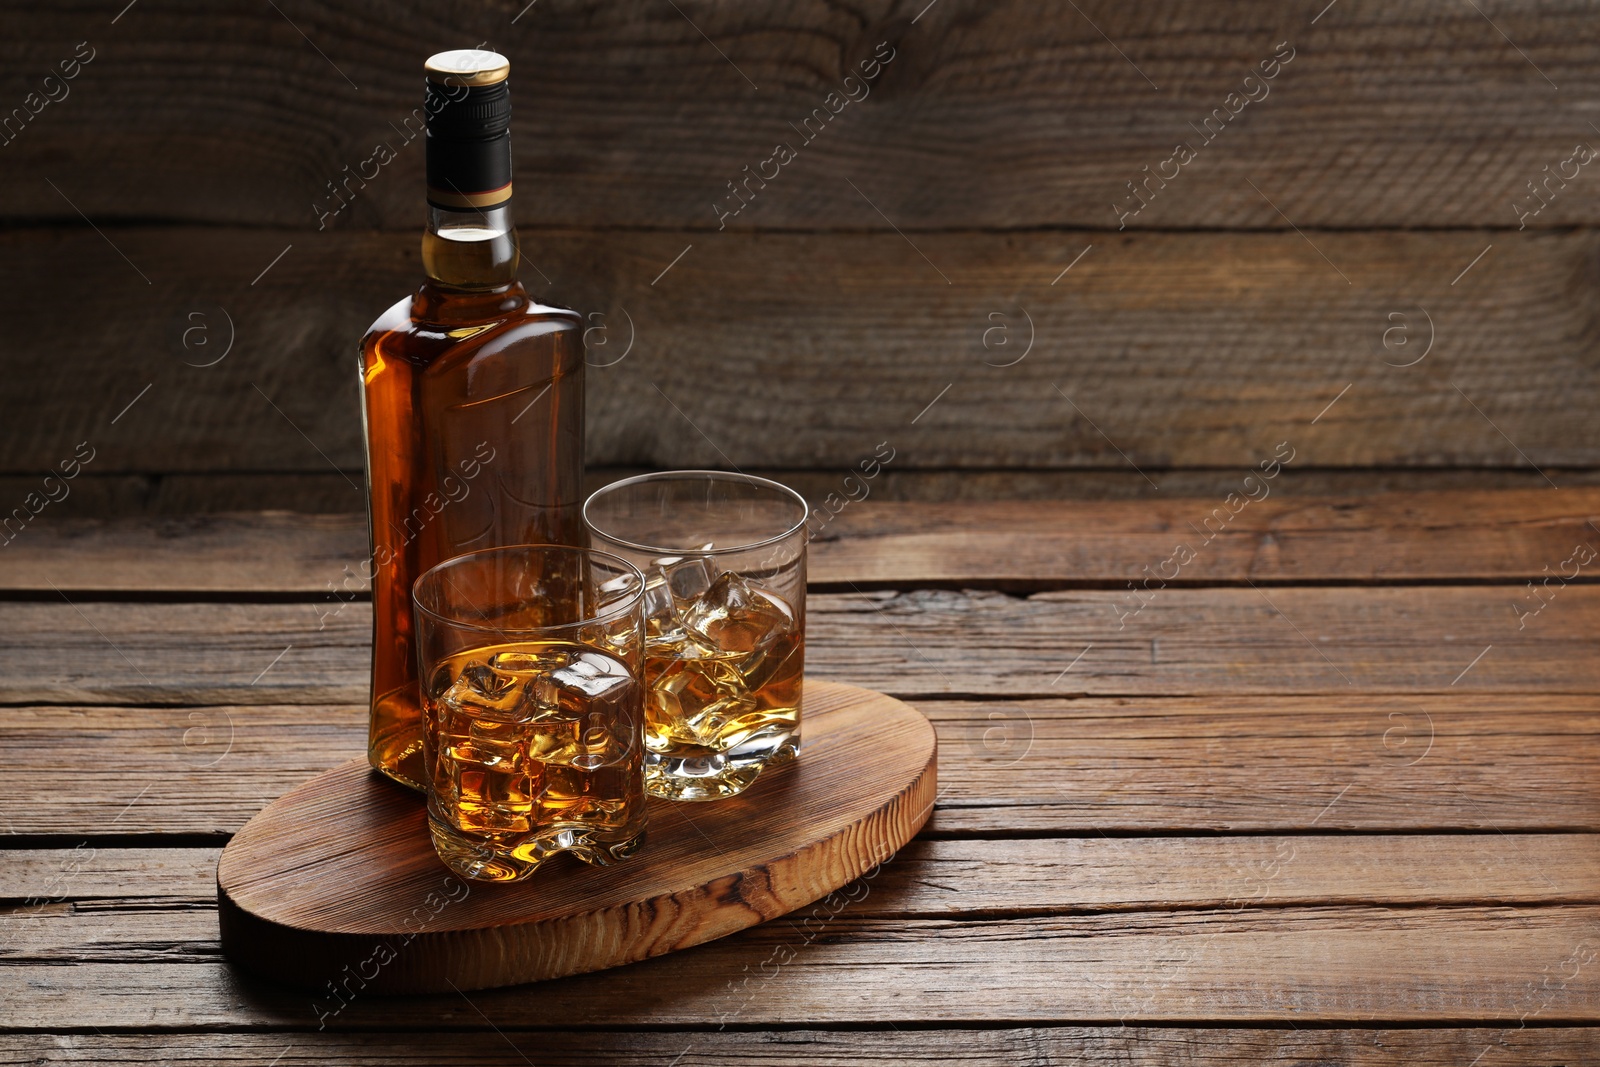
pixel 470 249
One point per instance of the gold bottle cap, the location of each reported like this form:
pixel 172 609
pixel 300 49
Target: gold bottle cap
pixel 468 66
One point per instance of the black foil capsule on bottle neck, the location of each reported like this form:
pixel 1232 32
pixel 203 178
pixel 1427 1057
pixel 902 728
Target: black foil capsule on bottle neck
pixel 468 105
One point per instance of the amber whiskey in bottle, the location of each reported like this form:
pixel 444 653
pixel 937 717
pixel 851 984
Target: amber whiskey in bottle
pixel 472 395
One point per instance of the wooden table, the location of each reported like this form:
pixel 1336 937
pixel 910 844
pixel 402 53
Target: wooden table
pixel 1327 795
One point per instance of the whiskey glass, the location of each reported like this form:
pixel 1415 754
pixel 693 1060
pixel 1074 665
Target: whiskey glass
pixel 531 659
pixel 724 563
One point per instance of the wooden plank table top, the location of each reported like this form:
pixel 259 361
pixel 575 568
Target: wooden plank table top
pixel 1323 792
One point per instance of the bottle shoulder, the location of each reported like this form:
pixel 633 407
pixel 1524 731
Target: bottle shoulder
pixel 428 325
pixel 432 310
pixel 508 349
pixel 395 319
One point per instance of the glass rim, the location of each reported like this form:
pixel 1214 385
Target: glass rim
pixel 610 614
pixel 710 475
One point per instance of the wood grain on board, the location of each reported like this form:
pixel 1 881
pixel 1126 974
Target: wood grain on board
pixel 998 877
pixel 1499 535
pixel 340 874
pixel 1423 114
pixel 820 351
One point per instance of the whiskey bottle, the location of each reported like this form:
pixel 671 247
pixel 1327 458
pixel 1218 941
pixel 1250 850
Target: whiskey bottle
pixel 473 396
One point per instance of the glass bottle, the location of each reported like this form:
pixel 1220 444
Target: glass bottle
pixel 473 395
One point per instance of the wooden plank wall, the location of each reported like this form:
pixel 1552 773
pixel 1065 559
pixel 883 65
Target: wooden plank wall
pixel 953 262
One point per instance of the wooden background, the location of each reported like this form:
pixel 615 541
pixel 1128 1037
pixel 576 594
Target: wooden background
pixel 907 257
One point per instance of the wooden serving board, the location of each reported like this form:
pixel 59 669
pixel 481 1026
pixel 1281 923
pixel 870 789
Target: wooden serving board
pixel 335 886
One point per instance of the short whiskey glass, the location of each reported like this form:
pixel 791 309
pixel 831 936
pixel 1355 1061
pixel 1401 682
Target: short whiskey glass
pixel 531 662
pixel 724 563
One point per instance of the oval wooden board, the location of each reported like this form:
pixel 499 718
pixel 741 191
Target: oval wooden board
pixel 335 886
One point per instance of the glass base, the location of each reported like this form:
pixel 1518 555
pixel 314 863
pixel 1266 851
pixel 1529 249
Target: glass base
pixel 519 855
pixel 696 772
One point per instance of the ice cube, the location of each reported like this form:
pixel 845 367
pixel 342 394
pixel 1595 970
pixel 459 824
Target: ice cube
pixel 765 665
pixel 690 682
pixel 593 674
pixel 544 701
pixel 443 678
pixel 590 797
pixel 483 681
pixel 483 692
pixel 685 686
pixel 671 585
pixel 481 748
pixel 565 693
pixel 553 740
pixel 737 615
pixel 660 649
pixel 485 798
pixel 481 771
pixel 660 611
pixel 688 578
pixel 593 690
pixel 716 718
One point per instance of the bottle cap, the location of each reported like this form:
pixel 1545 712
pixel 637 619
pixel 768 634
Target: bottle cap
pixel 468 66
pixel 468 104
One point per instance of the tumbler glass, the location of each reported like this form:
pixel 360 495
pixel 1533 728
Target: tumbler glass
pixel 724 560
pixel 531 661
